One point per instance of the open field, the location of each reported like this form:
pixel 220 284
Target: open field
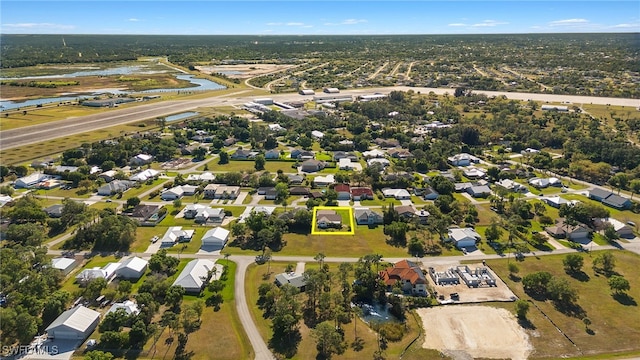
pixel 615 321
pixel 465 329
pixel 243 71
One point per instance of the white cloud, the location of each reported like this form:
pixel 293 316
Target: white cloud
pixel 42 26
pixel 457 24
pixel 134 20
pixel 347 22
pixel 569 22
pixel 295 24
pixel 274 24
pixel 489 23
pixel 627 26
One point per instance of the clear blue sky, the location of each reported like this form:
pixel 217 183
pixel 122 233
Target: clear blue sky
pixel 316 17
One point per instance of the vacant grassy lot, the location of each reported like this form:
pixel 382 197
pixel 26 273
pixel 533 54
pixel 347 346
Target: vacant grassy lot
pixel 271 166
pixel 36 116
pixel 615 323
pixel 307 347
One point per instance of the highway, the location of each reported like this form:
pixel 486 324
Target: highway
pixel 38 133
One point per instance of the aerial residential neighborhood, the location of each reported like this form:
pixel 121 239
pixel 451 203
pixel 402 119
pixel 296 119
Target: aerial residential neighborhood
pixel 345 195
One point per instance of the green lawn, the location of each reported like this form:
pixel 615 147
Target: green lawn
pixel 192 246
pixel 136 191
pixel 616 324
pixel 378 202
pixel 249 165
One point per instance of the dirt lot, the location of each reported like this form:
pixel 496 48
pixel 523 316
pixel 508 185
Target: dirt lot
pixel 245 70
pixel 500 292
pixel 463 332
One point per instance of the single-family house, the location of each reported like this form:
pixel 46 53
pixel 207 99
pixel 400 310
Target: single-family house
pixel 623 230
pixel 132 268
pixel 318 135
pixel 267 210
pixel 242 154
pixel 145 175
pixel 474 173
pixel 189 190
pixel 215 238
pixel 128 306
pixel 114 187
pixel 295 179
pixel 276 128
pixel 66 265
pixel 479 191
pixel 562 229
pixel 557 201
pixel 229 141
pixel 324 180
pixel 387 143
pixel 272 154
pixel 399 153
pixel 361 193
pixel 409 275
pixel 463 159
pixel 405 211
pixel 107 272
pixel 328 218
pixel 271 194
pixel 206 177
pixel 610 199
pixel 365 216
pixel 301 154
pixel 427 193
pixel 346 164
pixel 312 165
pixel 296 280
pixel 148 215
pixel 422 216
pixel 31 180
pixel 541 183
pixel 195 275
pixel 109 175
pixel 378 161
pixel 463 237
pixel 511 185
pixel 174 193
pixel 343 191
pixel 218 191
pixel 74 324
pixel 54 211
pixel 299 191
pixel 263 189
pixel 141 159
pixel 174 235
pixel 207 214
pixel 375 153
pixel 398 194
pixel 337 155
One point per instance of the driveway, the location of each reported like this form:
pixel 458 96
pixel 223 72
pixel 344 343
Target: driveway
pixel 240 198
pixel 53 349
pixel 406 202
pixel 258 344
pixel 245 214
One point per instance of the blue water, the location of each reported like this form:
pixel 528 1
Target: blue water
pixel 201 85
pixel 181 116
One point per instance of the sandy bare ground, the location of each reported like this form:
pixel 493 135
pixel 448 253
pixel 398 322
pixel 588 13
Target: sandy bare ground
pixel 246 70
pixel 474 331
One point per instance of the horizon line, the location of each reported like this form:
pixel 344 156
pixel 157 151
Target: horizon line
pixel 336 34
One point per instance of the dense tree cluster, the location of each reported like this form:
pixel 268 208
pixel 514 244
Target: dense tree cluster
pixel 109 233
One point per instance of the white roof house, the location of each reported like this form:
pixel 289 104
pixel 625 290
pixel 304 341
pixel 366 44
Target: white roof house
pixel 107 272
pixel 381 161
pixel 130 307
pixel 195 275
pixel 317 134
pixel 375 153
pixel 463 237
pixel 145 175
pixel 324 180
pixel 175 234
pixel 75 324
pixel 215 238
pixel 31 180
pixel 399 194
pixel 63 264
pixel 141 159
pixel 462 159
pixel 276 127
pixel 132 268
pixel 267 210
pixel 205 176
pixel 542 183
pixel 207 213
pixel 174 193
pixel 5 199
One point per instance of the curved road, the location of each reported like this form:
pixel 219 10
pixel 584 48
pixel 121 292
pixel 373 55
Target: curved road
pixel 37 133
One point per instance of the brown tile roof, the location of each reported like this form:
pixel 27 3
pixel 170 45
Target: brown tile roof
pixel 402 271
